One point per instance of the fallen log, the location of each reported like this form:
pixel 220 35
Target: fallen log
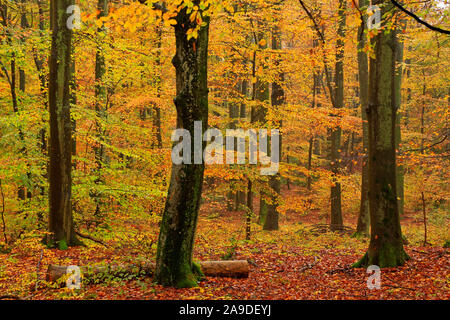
pixel 232 269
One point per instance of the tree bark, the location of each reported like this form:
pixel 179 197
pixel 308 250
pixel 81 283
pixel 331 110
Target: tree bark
pixel 398 132
pixel 278 98
pixel 157 107
pixel 386 243
pixel 261 93
pixel 249 211
pixel 176 239
pixel 336 206
pixel 100 106
pixel 60 147
pixel 363 227
pixel 240 195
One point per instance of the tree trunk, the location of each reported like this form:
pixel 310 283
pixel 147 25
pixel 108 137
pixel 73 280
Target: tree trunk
pixel 157 107
pixel 398 132
pixel 313 143
pixel 309 165
pixel 22 84
pixel 233 114
pixel 43 84
pixel 271 221
pixel 60 148
pixel 336 206
pixel 176 238
pixel 386 243
pixel 424 211
pixel 261 93
pixel 363 76
pixel 100 107
pixel 249 211
pixel 241 195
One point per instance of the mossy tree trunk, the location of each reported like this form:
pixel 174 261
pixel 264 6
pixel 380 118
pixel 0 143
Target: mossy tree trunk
pixel 336 206
pixel 386 244
pixel 174 266
pixel 60 146
pixel 363 77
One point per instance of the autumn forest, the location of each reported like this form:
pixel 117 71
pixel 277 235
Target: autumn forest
pixel 224 150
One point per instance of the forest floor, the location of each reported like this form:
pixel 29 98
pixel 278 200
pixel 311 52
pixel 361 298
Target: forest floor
pixel 292 263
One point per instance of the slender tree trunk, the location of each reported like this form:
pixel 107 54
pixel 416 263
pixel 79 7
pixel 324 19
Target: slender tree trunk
pixel 312 141
pixel 22 84
pixel 174 265
pixel 249 211
pixel 157 107
pixel 363 76
pixel 240 195
pixel 336 206
pixel 288 158
pixel 398 132
pixel 43 88
pixel 386 243
pixel 233 114
pixel 261 93
pixel 60 168
pixel 425 242
pixel 278 98
pixel 309 165
pixel 100 106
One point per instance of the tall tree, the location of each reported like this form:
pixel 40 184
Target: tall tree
pixel 157 107
pixel 22 85
pixel 386 243
pixel 174 266
pixel 100 104
pixel 363 77
pixel 398 131
pixel 314 142
pixel 277 97
pixel 336 206
pixel 60 144
pixel 261 93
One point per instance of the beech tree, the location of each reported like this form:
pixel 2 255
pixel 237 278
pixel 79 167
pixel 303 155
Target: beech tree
pixel 386 243
pixel 60 142
pixel 277 97
pixel 363 77
pixel 100 103
pixel 174 266
pixel 336 206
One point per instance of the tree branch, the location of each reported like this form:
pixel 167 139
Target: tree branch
pixel 428 147
pixel 426 24
pixel 322 39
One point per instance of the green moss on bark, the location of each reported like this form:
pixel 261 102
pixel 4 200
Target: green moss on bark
pixel 386 256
